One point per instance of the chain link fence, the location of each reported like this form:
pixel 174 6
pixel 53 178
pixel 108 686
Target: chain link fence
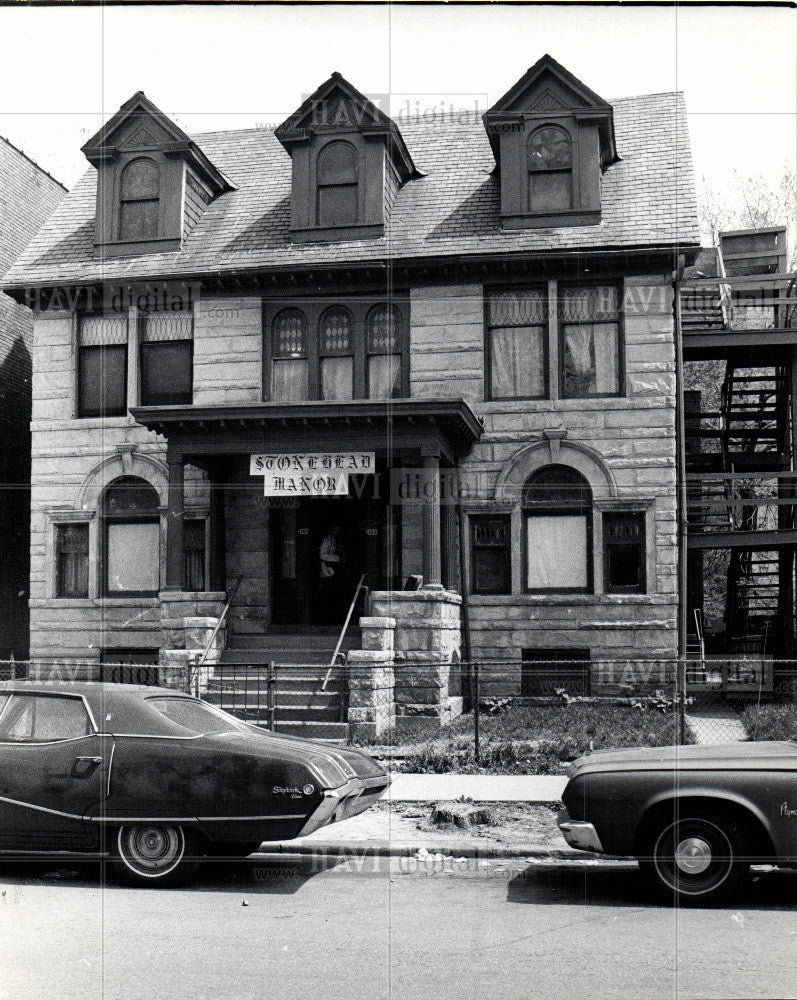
pixel 488 714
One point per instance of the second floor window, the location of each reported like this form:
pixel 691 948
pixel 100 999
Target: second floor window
pixel 102 366
pixel 166 358
pixel 322 350
pixel 517 344
pixel 558 341
pixel 336 354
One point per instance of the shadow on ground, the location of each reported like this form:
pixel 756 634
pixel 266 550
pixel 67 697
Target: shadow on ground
pixel 269 876
pixel 621 885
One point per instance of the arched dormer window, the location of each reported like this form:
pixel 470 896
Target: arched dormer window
pixel 550 168
pixel 131 538
pixel 338 185
pixel 139 208
pixel 557 510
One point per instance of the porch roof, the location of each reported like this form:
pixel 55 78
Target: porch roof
pixel 398 425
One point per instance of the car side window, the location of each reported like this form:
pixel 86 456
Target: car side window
pixel 43 718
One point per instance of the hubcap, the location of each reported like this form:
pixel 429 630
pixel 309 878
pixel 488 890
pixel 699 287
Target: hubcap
pixel 693 855
pixel 151 850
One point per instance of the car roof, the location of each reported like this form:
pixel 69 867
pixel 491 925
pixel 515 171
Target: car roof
pixel 116 708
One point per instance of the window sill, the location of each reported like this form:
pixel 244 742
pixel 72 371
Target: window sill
pixel 135 248
pixel 337 234
pixel 94 602
pixel 552 220
pixel 533 600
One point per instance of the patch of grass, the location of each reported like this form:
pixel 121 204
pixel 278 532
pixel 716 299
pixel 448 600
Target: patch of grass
pixel 770 722
pixel 540 739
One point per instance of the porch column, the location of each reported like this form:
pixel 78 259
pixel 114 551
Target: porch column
pixel 174 522
pixel 432 575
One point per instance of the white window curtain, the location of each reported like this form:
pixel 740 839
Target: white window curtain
pixel 557 552
pixel 592 361
pixel 337 378
pixel 384 372
pixel 516 364
pixel 289 381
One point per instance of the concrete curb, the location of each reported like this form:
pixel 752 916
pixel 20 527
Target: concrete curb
pixel 403 849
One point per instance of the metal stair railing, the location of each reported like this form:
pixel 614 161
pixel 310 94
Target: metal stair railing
pixel 192 686
pixel 360 586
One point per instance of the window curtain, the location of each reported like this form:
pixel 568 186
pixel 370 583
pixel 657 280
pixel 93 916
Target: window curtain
pixel 557 552
pixel 289 381
pixel 591 360
pixel 517 361
pixel 337 378
pixel 384 375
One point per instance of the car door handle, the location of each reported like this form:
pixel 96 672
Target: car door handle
pixel 85 765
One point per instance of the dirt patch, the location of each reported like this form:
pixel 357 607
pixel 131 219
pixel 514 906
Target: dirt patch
pixel 515 824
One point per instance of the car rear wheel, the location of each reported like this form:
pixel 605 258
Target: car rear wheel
pixel 697 859
pixel 155 853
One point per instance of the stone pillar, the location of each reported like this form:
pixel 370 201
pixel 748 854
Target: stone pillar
pixel 174 522
pixel 369 671
pixel 427 641
pixel 432 575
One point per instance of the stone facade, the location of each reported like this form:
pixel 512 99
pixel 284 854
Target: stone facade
pixel 624 446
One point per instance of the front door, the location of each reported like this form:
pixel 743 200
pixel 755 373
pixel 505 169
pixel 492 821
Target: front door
pixel 53 768
pixel 321 547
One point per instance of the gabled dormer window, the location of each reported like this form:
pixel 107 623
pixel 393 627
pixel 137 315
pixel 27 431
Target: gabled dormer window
pixel 153 181
pixel 550 166
pixel 551 137
pixel 139 200
pixel 348 161
pixel 336 173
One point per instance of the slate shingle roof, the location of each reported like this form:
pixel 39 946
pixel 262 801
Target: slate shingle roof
pixel 648 199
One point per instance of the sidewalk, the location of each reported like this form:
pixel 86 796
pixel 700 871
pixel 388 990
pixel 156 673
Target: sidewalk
pixel 387 830
pixel 478 787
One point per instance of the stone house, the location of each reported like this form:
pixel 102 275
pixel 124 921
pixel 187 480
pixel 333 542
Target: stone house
pixel 28 195
pixel 271 365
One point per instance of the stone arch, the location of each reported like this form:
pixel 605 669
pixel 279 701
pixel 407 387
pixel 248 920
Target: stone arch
pixel 554 451
pixel 122 464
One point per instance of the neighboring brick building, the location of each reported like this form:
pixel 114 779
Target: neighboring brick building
pixel 28 196
pixel 489 297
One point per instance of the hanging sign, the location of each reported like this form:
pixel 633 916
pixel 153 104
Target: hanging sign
pixel 310 474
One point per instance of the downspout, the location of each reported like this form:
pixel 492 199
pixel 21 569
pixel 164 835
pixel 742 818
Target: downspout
pixel 680 459
pixel 464 581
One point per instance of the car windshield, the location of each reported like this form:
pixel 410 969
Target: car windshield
pixel 196 716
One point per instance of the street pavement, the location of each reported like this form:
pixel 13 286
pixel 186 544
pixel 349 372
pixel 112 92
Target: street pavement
pixel 389 929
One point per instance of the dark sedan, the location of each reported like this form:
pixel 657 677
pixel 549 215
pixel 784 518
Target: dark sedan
pixel 156 779
pixel 696 817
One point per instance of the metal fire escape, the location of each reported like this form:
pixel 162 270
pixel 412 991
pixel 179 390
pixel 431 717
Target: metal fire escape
pixel 740 450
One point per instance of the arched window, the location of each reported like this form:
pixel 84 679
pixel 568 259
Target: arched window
pixel 550 163
pixel 140 200
pixel 131 538
pixel 383 348
pixel 557 509
pixel 337 182
pixel 336 354
pixel 289 373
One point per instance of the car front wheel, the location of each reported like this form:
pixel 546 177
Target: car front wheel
pixel 697 859
pixel 155 853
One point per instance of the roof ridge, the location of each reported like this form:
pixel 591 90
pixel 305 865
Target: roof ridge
pixel 30 160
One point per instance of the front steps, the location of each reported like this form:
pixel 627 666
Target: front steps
pixel 303 706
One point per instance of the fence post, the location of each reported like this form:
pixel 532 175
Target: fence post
pixel 680 695
pixel 476 713
pixel 270 700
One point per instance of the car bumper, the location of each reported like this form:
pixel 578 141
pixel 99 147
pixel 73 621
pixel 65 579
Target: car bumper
pixel 341 803
pixel 578 833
